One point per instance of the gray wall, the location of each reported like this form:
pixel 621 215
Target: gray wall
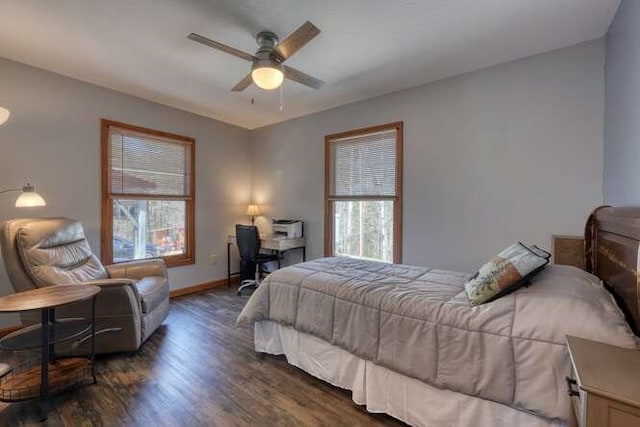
pixel 512 152
pixel 622 107
pixel 53 139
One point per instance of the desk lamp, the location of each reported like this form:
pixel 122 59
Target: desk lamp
pixel 253 211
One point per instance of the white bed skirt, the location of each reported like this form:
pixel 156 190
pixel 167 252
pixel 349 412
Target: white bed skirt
pixel 384 391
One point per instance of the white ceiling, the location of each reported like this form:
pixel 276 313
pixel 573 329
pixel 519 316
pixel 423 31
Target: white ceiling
pixel 367 47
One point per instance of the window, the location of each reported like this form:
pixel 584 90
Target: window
pixel 363 193
pixel 148 195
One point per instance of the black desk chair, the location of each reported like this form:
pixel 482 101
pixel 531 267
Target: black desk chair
pixel 251 260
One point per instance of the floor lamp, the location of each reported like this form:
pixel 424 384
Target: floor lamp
pixel 28 197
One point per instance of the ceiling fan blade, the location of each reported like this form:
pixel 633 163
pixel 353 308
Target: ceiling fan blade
pixel 300 77
pixel 243 84
pixel 296 40
pixel 222 47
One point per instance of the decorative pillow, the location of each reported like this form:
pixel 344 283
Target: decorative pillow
pixel 512 268
pixel 540 252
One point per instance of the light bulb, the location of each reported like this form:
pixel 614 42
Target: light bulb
pixel 267 77
pixel 4 115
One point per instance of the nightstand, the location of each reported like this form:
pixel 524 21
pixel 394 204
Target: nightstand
pixel 604 384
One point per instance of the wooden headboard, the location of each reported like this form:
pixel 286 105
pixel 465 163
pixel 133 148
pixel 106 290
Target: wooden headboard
pixel 612 247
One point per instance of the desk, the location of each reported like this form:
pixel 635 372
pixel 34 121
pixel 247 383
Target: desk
pixel 277 245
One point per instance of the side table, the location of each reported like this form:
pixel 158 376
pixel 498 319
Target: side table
pixel 603 384
pixel 52 374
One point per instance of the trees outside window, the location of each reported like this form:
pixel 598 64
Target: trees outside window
pixel 363 193
pixel 147 194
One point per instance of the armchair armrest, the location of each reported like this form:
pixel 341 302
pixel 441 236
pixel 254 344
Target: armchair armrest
pixel 118 310
pixel 114 284
pixel 137 270
pixel 117 297
pixel 110 282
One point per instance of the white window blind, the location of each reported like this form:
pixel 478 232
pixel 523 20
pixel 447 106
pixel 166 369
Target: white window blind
pixel 364 165
pixel 149 165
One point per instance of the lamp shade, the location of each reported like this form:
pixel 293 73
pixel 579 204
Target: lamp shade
pixel 267 75
pixel 253 210
pixel 4 115
pixel 29 198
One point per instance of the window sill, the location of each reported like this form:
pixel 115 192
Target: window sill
pixel 178 261
pixel 169 261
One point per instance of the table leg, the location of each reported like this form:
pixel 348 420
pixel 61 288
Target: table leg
pixel 304 254
pixel 52 319
pixel 44 364
pixel 93 339
pixel 228 265
pixel 279 253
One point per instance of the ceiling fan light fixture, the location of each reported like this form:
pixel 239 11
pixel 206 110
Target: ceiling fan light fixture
pixel 267 71
pixel 267 74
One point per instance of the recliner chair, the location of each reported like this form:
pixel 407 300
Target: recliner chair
pixel 134 299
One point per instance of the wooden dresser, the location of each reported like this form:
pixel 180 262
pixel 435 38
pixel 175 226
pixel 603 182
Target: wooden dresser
pixel 604 384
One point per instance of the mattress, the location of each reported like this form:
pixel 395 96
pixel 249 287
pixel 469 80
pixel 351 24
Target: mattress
pixel 418 322
pixel 382 390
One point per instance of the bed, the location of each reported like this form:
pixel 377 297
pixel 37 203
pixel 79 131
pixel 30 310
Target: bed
pixel 405 341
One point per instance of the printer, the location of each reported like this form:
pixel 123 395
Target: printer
pixel 286 228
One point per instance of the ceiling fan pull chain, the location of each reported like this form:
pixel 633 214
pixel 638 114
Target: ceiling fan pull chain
pixel 281 107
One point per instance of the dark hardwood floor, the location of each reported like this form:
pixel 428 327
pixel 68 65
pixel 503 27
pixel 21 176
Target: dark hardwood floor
pixel 198 369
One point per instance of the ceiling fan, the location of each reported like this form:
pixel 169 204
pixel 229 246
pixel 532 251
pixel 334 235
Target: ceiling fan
pixel 267 69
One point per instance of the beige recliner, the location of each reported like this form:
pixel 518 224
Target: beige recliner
pixel 134 299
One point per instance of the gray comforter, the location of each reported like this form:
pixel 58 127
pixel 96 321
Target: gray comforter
pixel 418 322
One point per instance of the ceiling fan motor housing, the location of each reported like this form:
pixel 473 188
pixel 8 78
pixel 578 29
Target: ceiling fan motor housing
pixel 268 41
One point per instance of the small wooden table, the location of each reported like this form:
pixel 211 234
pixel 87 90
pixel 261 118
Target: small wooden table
pixel 51 331
pixel 604 384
